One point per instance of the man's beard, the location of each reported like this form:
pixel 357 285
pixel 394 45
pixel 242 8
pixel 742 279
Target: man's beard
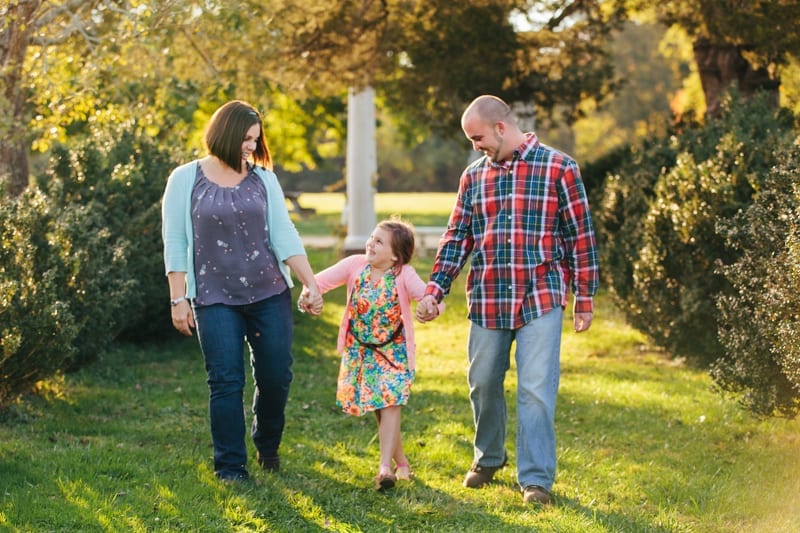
pixel 495 157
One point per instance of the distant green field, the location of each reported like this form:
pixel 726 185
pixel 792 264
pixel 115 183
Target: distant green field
pixel 401 203
pixel 421 209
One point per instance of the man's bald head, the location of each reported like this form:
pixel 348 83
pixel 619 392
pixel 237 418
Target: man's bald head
pixel 490 125
pixel 490 109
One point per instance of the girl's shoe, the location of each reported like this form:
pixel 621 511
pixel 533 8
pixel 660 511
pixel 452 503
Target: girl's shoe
pixel 403 471
pixel 385 479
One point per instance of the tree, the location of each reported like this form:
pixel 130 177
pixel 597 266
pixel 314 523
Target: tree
pixel 69 65
pixel 736 41
pixel 640 107
pixel 60 60
pixel 16 29
pixel 545 54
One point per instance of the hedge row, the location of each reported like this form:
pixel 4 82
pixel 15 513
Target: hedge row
pixel 760 319
pixel 63 283
pixel 673 222
pixel 80 258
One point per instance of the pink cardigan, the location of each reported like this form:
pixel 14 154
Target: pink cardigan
pixel 409 285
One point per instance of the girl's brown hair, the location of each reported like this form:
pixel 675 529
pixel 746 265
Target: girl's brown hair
pixel 226 131
pixel 402 239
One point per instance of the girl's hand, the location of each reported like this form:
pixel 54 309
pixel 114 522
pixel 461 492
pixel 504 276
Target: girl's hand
pixel 314 302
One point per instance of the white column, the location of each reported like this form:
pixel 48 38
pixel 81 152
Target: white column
pixel 361 167
pixel 525 113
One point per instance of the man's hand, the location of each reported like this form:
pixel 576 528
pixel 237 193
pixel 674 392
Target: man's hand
pixel 582 321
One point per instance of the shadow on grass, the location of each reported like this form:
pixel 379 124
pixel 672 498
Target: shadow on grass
pixel 329 497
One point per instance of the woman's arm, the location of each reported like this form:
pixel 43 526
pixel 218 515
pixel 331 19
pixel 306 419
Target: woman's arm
pixel 302 269
pixel 182 317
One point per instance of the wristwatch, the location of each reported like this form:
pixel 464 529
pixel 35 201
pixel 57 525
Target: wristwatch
pixel 176 301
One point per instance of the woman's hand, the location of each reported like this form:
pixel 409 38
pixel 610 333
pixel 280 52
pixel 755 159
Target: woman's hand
pixel 182 318
pixel 310 300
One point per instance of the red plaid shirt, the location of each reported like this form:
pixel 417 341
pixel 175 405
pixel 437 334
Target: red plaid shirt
pixel 527 224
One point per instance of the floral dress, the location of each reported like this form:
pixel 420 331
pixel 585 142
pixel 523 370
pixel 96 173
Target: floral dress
pixel 374 370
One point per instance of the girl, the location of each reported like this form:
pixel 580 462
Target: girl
pixel 376 337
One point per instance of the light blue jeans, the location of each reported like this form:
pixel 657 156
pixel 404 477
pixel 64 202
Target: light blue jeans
pixel 538 346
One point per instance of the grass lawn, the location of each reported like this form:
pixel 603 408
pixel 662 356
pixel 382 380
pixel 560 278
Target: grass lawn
pixel 644 444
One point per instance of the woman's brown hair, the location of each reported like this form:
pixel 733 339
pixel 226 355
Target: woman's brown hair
pixel 226 131
pixel 402 239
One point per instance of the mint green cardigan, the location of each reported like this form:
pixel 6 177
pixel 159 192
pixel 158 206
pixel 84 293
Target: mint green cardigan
pixel 176 219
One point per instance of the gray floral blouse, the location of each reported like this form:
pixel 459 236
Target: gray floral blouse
pixel 234 264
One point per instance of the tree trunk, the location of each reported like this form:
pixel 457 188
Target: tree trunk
pixel 721 66
pixel 15 32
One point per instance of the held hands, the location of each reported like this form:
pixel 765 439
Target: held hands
pixel 427 309
pixel 310 301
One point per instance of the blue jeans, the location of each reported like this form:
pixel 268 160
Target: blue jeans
pixel 538 372
pixel 222 330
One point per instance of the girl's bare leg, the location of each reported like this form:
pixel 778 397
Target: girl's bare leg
pixel 385 478
pixel 391 440
pixel 389 433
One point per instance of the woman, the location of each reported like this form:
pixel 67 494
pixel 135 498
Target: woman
pixel 228 247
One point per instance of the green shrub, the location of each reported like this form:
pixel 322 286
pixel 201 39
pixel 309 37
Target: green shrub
pixel 594 173
pixel 658 223
pixel 626 198
pixel 759 319
pixel 63 286
pixel 120 175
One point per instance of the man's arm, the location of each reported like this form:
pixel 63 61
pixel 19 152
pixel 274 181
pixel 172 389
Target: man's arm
pixel 579 238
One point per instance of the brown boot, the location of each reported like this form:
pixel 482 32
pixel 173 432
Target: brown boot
pixel 536 494
pixel 479 476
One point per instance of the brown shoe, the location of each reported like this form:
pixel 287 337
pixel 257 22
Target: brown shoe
pixel 536 494
pixel 479 476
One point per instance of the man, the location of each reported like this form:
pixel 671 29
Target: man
pixel 523 215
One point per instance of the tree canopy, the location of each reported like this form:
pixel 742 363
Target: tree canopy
pixel 68 66
pixel 71 65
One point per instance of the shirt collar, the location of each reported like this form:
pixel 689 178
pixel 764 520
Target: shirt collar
pixel 520 152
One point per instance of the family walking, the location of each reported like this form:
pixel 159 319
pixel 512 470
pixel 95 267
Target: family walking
pixel 521 215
